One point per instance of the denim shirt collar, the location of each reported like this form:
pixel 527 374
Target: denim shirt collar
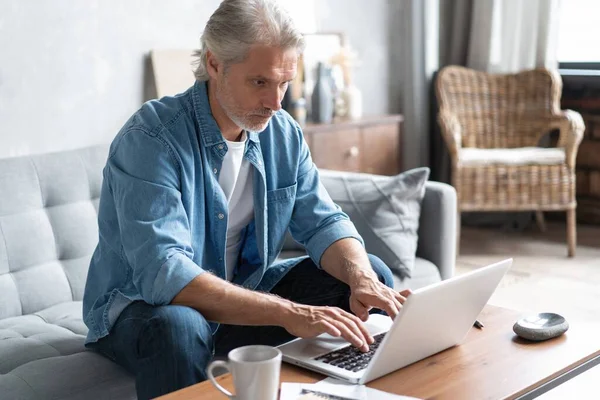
pixel 211 134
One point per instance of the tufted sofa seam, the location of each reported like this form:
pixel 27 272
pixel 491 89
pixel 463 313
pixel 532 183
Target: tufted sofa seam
pixel 13 331
pixel 40 317
pixel 68 204
pixel 8 263
pixel 11 327
pixel 55 241
pixel 35 315
pixel 12 276
pixel 24 381
pixel 87 177
pixel 46 344
pixel 59 353
pixel 37 174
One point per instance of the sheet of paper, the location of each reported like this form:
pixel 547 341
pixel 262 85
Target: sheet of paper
pixel 301 391
pixel 334 389
pixel 369 393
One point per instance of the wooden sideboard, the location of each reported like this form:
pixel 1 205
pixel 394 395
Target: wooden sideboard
pixel 370 144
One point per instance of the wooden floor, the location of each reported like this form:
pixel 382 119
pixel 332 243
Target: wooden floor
pixel 543 279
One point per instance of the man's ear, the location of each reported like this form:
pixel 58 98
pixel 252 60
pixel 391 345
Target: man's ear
pixel 212 65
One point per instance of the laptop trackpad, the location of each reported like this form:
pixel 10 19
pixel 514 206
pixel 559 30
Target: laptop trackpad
pixel 320 345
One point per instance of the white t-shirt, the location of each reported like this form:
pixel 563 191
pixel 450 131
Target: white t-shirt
pixel 236 181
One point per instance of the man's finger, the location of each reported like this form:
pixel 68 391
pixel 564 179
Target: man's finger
pixel 353 324
pixel 389 307
pixel 349 335
pixel 399 297
pixel 350 323
pixel 406 292
pixel 359 309
pixel 363 328
pixel 330 329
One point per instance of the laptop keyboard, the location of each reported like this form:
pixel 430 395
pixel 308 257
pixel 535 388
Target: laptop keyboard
pixel 350 358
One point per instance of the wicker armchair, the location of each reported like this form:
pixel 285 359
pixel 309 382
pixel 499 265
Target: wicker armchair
pixel 492 125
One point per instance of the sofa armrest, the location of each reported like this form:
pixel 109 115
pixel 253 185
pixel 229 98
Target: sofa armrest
pixel 437 227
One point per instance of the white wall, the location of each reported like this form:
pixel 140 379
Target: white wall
pixel 71 72
pixel 365 24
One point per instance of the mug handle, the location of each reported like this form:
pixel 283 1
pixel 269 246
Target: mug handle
pixel 209 372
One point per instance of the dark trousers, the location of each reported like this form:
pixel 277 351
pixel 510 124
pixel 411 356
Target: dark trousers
pixel 169 347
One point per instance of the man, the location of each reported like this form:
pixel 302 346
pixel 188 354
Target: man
pixel 199 190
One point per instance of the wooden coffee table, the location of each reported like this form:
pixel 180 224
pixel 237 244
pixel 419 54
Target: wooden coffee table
pixel 492 363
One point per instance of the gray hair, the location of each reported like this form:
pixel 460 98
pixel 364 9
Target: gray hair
pixel 238 24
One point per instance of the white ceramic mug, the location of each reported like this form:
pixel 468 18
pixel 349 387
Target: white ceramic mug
pixel 255 370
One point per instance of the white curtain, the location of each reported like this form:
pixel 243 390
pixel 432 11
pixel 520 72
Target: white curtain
pixel 498 36
pixel 512 35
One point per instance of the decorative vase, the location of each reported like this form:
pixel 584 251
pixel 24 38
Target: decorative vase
pixel 322 97
pixel 299 111
pixel 353 99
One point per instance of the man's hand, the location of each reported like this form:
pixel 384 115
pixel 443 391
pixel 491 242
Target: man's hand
pixel 369 292
pixel 347 261
pixel 310 321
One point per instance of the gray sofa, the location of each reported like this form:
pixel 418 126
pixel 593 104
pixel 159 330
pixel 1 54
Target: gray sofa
pixel 48 231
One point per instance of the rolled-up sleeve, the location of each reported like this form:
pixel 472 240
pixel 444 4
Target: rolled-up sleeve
pixel 155 234
pixel 317 222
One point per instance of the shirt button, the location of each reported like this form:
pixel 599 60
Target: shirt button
pixel 215 170
pixel 221 216
pixel 221 147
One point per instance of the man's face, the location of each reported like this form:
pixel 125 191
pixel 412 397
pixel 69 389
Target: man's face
pixel 250 92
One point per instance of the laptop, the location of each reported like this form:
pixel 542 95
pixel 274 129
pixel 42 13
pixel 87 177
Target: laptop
pixel 432 319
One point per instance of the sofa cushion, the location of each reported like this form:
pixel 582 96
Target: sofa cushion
pixel 42 355
pixel 424 274
pixel 56 331
pixel 48 227
pixel 385 211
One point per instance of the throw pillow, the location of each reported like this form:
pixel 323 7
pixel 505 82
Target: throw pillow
pixel 385 211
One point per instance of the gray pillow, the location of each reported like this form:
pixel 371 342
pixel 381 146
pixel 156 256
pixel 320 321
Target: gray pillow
pixel 385 211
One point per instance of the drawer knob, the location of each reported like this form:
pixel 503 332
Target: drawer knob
pixel 353 151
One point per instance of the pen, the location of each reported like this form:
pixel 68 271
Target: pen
pixel 478 324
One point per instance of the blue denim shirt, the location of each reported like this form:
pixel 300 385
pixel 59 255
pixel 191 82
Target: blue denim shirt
pixel 163 216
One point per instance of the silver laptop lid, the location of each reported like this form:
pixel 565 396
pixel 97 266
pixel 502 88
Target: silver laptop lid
pixel 435 318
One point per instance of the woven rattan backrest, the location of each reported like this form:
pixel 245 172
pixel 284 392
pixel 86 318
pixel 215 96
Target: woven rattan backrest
pixel 499 110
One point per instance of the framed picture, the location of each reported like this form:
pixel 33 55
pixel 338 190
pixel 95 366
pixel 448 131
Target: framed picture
pixel 320 47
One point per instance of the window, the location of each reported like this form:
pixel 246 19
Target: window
pixel 579 32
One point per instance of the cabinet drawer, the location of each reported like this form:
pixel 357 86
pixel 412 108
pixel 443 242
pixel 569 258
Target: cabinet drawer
pixel 380 149
pixel 339 150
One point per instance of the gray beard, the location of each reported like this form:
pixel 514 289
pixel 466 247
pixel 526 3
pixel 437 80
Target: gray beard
pixel 240 121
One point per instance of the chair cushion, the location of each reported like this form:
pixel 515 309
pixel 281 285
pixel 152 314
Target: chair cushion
pixel 385 211
pixel 518 156
pixel 42 355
